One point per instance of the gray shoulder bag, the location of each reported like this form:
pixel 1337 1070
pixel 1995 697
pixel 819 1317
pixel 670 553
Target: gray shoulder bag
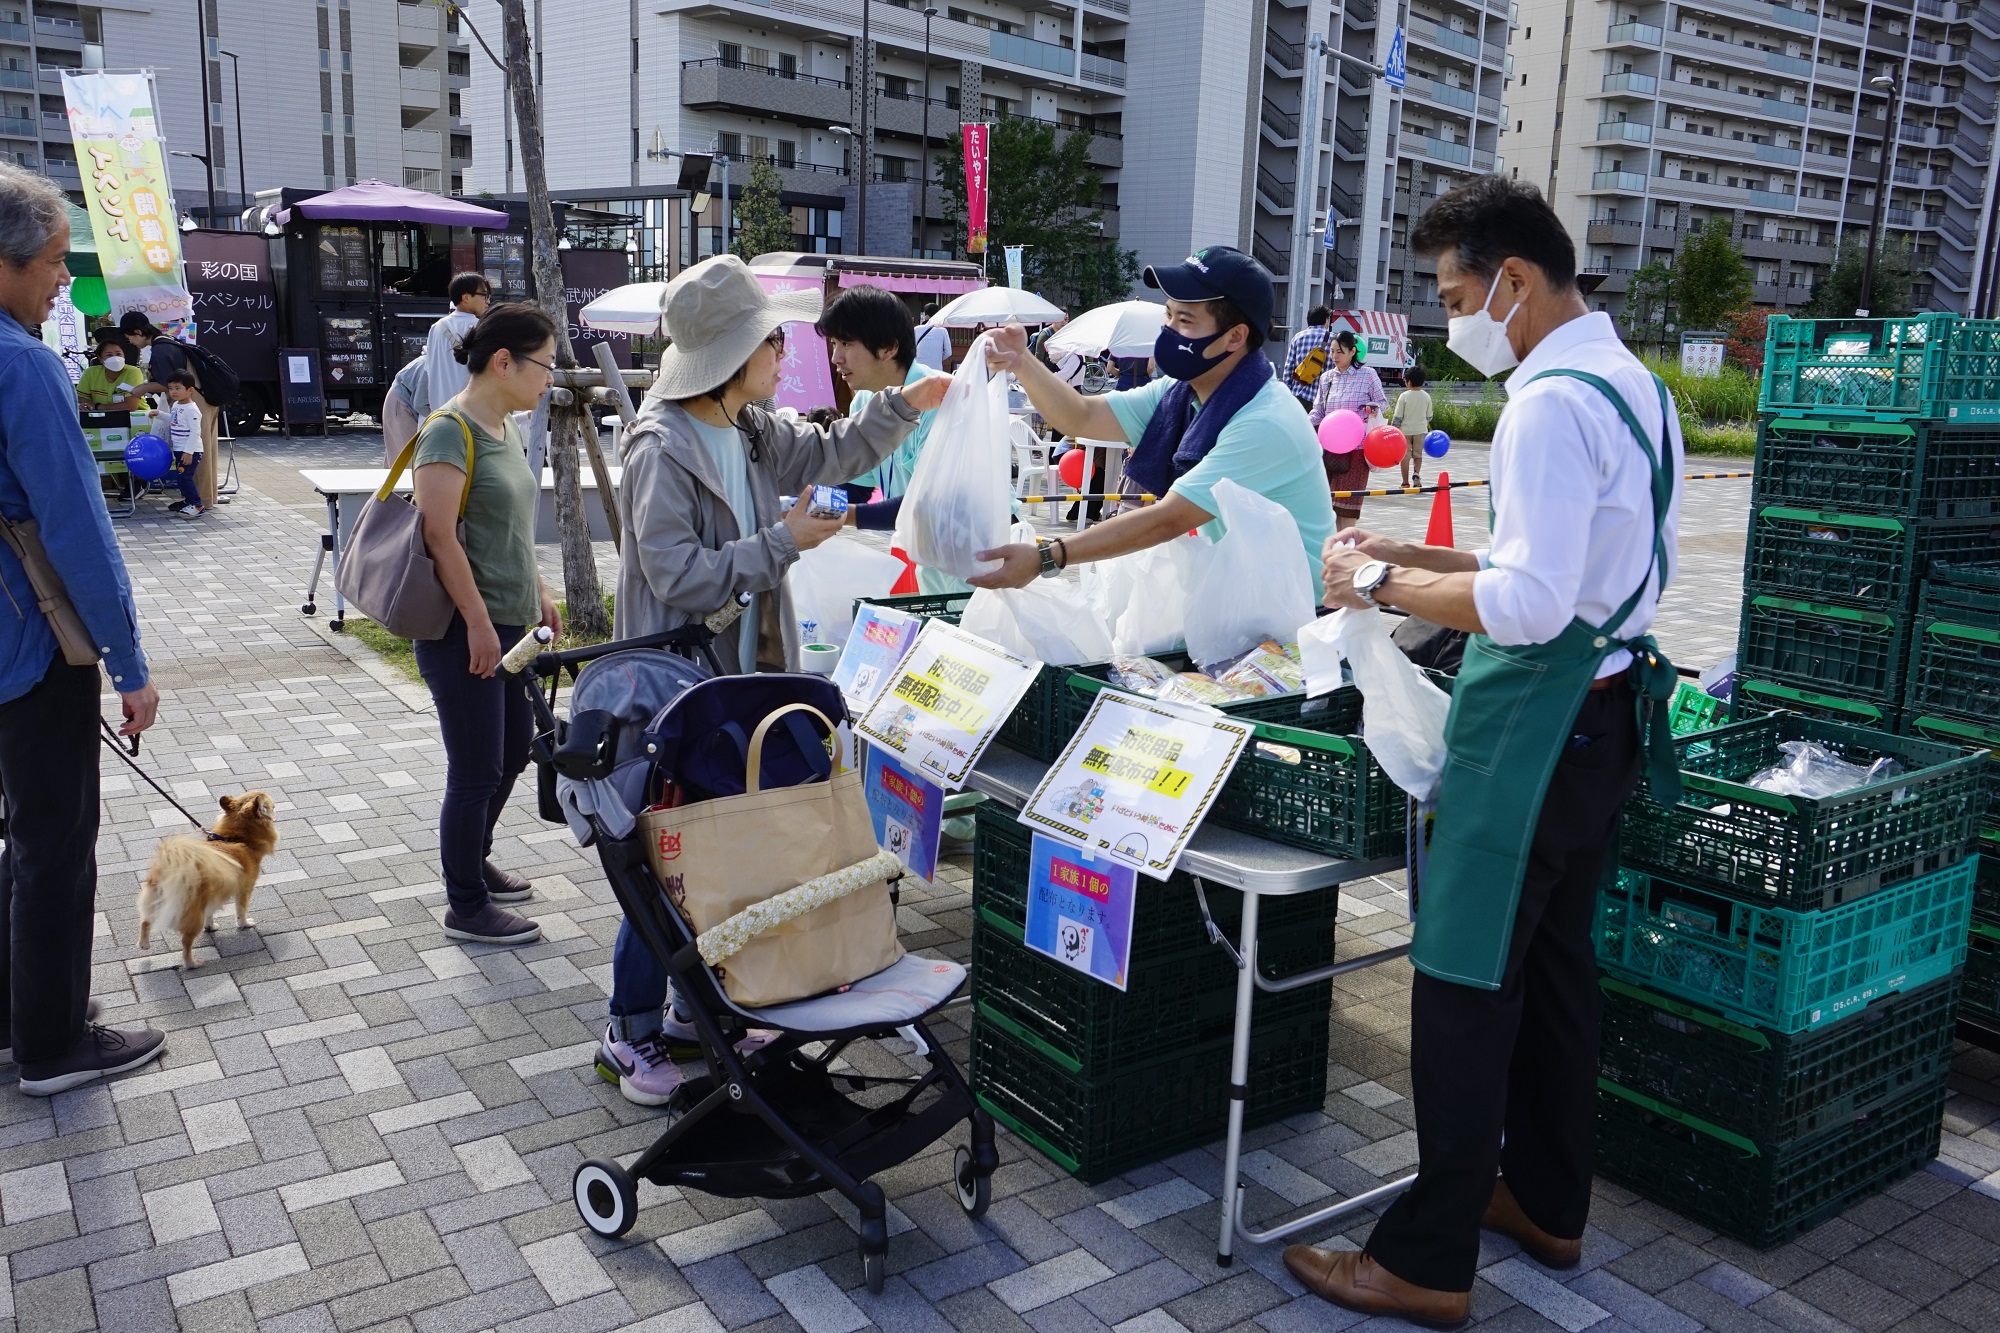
pixel 385 568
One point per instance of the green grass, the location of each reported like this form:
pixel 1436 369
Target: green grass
pixel 1473 421
pixel 399 654
pixel 1736 439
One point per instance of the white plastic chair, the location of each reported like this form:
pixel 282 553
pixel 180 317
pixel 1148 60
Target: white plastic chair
pixel 1031 459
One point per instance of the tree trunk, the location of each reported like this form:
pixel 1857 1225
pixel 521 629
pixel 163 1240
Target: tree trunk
pixel 581 590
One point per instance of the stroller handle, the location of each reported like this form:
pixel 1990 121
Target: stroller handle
pixel 694 637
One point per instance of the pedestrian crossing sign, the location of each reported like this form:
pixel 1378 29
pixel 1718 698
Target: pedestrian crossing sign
pixel 1396 66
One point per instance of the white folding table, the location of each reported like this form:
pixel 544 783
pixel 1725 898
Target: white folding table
pixel 1258 868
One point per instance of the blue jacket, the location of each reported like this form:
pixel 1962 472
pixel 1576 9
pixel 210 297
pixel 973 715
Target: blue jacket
pixel 46 473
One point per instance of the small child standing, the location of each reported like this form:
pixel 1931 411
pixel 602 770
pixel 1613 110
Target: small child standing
pixel 183 423
pixel 1413 415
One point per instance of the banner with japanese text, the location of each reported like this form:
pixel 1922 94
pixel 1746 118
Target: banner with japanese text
pixel 115 126
pixel 805 375
pixel 1014 253
pixel 976 141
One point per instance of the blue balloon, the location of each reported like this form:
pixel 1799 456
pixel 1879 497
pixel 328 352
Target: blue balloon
pixel 148 458
pixel 1436 443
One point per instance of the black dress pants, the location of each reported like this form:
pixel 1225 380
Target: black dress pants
pixel 48 873
pixel 1506 1080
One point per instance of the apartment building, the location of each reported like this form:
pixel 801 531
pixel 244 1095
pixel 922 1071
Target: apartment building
pixel 328 91
pixel 1645 120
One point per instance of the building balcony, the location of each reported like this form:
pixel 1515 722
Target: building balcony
pixel 14 32
pixel 1438 150
pixel 420 88
pixel 1612 231
pixel 1617 182
pixel 1799 252
pixel 1963 187
pixel 418 24
pixel 718 85
pixel 68 32
pixel 21 127
pixel 1632 34
pixel 1681 92
pixel 1970 103
pixel 1951 273
pixel 422 148
pixel 16 78
pixel 1630 85
pixel 56 123
pixel 63 172
pixel 1288 58
pixel 1615 278
pixel 1460 99
pixel 1627 131
pixel 1280 126
pixel 1442 37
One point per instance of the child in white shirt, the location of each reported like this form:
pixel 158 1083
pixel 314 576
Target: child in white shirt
pixel 182 422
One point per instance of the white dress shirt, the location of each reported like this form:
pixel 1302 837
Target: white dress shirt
pixel 445 376
pixel 1572 495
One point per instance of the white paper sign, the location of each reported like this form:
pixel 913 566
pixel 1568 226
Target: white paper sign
pixel 299 368
pixel 1136 779
pixel 945 701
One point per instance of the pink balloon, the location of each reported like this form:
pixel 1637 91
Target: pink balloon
pixel 1341 431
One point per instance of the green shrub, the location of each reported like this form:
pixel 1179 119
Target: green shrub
pixel 1730 395
pixel 1472 421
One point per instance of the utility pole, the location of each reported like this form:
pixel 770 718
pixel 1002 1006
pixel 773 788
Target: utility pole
pixel 1305 189
pixel 1894 87
pixel 242 187
pixel 867 153
pixel 924 166
pixel 207 103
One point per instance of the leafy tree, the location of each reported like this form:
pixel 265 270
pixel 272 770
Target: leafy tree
pixel 1649 300
pixel 763 223
pixel 1042 193
pixel 1710 278
pixel 1747 329
pixel 1838 291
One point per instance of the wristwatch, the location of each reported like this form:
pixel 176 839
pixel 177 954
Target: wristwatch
pixel 1047 550
pixel 1370 577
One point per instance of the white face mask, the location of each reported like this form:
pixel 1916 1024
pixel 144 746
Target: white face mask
pixel 113 364
pixel 1481 340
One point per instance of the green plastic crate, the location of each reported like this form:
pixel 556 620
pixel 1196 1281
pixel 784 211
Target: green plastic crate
pixel 945 606
pixel 1339 711
pixel 1758 698
pixel 1900 469
pixel 1721 1180
pixel 1983 734
pixel 1768 1086
pixel 1316 790
pixel 1986 885
pixel 1955 655
pixel 1982 974
pixel 1183 999
pixel 1850 652
pixel 1694 709
pixel 1788 971
pixel 1864 560
pixel 1932 367
pixel 1097 1128
pixel 1797 852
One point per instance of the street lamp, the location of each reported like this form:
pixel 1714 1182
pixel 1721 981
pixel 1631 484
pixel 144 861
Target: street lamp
pixel 242 188
pixel 924 167
pixel 1894 88
pixel 854 151
pixel 203 159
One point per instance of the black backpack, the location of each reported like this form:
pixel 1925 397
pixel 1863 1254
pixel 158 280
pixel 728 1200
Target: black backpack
pixel 219 381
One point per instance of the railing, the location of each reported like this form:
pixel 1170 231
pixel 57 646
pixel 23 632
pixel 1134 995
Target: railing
pixel 1631 131
pixel 55 120
pixel 1284 124
pixel 1493 55
pixel 1267 254
pixel 1919 134
pixel 1492 108
pixel 1099 69
pixel 1343 201
pixel 1787 64
pixel 1922 93
pixel 770 70
pixel 1442 92
pixel 1442 151
pixel 1934 8
pixel 1112 6
pixel 13 32
pixel 1618 180
pixel 1981 63
pixel 1923 50
pixel 1793 18
pixel 1949 270
pixel 1969 100
pixel 1773 199
pixel 1633 34
pixel 772 159
pixel 1770 152
pixel 20 127
pixel 16 78
pixel 1643 85
pixel 1438 34
pixel 1289 55
pixel 1483 160
pixel 53 27
pixel 1279 192
pixel 1026 51
pixel 1955 231
pixel 1348 137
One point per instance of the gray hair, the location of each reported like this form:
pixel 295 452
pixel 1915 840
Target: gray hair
pixel 31 211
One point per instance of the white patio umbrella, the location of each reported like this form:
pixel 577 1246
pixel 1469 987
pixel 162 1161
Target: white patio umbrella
pixel 633 308
pixel 1123 328
pixel 997 305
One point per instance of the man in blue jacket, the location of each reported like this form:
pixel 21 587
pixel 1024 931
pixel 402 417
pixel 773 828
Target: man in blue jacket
pixel 49 709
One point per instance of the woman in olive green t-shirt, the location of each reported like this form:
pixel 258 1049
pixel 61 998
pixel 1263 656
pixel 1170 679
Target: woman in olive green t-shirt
pixel 491 576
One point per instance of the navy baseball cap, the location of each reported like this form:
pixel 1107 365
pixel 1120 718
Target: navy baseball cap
pixel 1219 272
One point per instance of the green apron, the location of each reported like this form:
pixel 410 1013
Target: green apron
pixel 1512 710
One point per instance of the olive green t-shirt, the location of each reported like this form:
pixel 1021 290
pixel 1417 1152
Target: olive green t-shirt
pixel 499 514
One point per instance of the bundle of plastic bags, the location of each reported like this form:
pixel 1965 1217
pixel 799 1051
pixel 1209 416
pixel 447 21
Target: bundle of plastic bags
pixel 958 502
pixel 1142 597
pixel 1402 713
pixel 827 579
pixel 1048 621
pixel 1250 586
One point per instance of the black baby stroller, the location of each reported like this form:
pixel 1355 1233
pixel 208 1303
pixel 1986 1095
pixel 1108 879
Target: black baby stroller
pixel 779 1121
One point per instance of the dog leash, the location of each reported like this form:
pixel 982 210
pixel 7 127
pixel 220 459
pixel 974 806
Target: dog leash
pixel 118 744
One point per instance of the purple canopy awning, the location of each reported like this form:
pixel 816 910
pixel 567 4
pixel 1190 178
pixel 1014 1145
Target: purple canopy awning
pixel 379 201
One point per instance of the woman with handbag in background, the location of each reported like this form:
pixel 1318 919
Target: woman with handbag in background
pixel 477 498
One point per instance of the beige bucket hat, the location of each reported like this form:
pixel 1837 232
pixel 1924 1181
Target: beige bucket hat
pixel 716 313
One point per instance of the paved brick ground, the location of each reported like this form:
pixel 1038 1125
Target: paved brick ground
pixel 360 1125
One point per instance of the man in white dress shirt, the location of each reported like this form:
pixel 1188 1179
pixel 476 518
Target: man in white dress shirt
pixel 1544 745
pixel 445 375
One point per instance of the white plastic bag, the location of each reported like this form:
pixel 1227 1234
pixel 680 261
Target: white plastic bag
pixel 1253 585
pixel 1402 713
pixel 959 502
pixel 827 579
pixel 1141 597
pixel 1048 621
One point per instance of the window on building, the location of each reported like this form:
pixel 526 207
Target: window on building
pixel 729 52
pixel 729 144
pixel 458 64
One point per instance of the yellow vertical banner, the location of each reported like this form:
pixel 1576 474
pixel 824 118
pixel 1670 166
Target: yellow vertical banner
pixel 115 126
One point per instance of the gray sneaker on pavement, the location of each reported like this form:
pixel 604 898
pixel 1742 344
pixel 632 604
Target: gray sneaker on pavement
pixel 103 1051
pixel 491 925
pixel 504 886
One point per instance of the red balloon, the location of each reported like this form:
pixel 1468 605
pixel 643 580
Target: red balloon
pixel 1384 446
pixel 1070 467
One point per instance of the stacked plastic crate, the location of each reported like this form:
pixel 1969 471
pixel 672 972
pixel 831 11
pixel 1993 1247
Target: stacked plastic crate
pixel 1780 975
pixel 1954 695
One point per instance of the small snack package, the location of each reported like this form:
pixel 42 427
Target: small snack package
pixel 1140 675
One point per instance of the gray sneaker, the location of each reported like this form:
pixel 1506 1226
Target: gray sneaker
pixel 491 925
pixel 504 886
pixel 103 1051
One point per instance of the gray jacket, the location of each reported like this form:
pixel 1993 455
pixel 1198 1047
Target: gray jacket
pixel 683 555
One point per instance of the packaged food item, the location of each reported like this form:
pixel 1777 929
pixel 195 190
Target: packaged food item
pixel 1264 670
pixel 1193 687
pixel 1140 675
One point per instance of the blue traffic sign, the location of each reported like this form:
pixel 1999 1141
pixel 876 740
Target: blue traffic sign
pixel 1396 66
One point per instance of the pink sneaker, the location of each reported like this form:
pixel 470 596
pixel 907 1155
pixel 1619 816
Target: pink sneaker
pixel 644 1072
pixel 685 1042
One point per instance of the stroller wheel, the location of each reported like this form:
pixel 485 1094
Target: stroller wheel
pixel 874 1269
pixel 975 1192
pixel 607 1197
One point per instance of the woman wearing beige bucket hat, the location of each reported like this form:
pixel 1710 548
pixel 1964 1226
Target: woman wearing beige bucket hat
pixel 704 466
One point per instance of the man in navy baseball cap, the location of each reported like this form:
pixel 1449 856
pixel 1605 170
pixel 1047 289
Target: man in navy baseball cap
pixel 1218 412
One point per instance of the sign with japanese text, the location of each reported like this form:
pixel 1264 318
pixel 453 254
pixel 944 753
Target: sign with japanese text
pixel 908 811
pixel 1014 253
pixel 235 300
pixel 587 275
pixel 805 375
pixel 1080 910
pixel 945 703
pixel 1136 779
pixel 875 647
pixel 977 140
pixel 123 160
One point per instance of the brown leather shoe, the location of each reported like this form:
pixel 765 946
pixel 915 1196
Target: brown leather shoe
pixel 1504 1215
pixel 1352 1279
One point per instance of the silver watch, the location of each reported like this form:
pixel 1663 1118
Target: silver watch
pixel 1370 577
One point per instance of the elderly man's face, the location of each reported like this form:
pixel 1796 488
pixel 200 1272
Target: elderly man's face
pixel 28 291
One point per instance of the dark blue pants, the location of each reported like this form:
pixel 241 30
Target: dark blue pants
pixel 487 725
pixel 183 477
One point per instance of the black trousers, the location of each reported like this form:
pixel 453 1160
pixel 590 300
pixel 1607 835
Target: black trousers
pixel 487 725
pixel 48 872
pixel 1506 1080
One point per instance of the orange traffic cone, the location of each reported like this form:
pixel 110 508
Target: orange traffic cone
pixel 1439 532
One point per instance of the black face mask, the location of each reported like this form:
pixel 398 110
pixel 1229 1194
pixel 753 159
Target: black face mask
pixel 1183 357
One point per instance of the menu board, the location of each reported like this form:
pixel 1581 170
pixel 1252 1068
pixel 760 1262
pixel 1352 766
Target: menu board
pixel 503 258
pixel 343 260
pixel 235 300
pixel 347 345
